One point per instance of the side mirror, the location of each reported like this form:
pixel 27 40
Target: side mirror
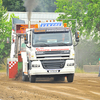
pixel 26 38
pixel 77 36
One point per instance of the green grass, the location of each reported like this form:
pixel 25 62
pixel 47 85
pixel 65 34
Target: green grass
pixel 3 66
pixel 2 70
pixel 20 64
pixel 78 70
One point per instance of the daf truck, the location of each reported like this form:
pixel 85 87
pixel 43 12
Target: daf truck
pixel 49 52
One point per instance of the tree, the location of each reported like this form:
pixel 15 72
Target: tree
pixel 86 12
pixel 18 5
pixel 5 31
pixel 87 52
pixel 14 5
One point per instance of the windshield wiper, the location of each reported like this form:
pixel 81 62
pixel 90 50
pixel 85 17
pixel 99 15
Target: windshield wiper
pixel 45 44
pixel 41 45
pixel 64 44
pixel 53 44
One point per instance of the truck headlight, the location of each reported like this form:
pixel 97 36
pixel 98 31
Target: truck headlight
pixel 36 65
pixel 66 52
pixel 70 64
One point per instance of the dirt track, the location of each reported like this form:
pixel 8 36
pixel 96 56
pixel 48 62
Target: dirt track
pixel 84 87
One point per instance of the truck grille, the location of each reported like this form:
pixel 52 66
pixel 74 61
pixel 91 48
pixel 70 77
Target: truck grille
pixel 55 52
pixel 53 64
pixel 52 57
pixel 52 52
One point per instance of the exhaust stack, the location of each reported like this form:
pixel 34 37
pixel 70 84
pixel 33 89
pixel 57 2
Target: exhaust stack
pixel 29 24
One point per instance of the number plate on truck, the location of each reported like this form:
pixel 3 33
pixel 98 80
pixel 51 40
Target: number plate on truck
pixel 53 71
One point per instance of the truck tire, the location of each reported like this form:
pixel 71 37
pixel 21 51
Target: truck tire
pixel 32 78
pixel 29 64
pixel 25 77
pixel 59 78
pixel 62 78
pixel 70 78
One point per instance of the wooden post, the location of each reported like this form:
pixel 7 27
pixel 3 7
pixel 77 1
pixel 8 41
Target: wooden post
pixel 99 68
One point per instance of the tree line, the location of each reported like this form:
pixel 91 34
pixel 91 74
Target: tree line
pixel 87 13
pixel 18 5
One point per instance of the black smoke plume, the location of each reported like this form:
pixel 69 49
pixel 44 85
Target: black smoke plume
pixel 30 6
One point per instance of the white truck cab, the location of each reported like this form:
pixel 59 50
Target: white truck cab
pixel 49 52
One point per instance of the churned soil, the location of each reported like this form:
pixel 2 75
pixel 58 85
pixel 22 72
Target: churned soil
pixel 84 87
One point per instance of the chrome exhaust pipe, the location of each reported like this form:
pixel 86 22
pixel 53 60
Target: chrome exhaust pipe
pixel 29 24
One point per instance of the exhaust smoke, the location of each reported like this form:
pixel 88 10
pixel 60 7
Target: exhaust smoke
pixel 30 5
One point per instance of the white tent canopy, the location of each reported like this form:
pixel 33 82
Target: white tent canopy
pixel 36 16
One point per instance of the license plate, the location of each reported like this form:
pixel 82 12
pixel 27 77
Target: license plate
pixel 53 71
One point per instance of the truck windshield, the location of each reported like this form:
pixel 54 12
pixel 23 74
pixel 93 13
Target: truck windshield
pixel 52 39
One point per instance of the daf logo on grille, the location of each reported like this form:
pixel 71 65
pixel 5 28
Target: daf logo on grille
pixel 61 66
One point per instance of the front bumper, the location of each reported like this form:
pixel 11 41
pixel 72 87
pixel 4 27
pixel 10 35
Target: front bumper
pixel 67 70
pixel 41 71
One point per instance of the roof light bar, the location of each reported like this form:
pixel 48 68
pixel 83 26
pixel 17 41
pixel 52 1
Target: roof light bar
pixel 51 24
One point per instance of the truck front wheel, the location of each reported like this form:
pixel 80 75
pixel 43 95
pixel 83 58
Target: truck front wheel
pixel 25 77
pixel 70 77
pixel 32 78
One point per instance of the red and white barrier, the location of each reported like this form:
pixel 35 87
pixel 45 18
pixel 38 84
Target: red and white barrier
pixel 12 67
